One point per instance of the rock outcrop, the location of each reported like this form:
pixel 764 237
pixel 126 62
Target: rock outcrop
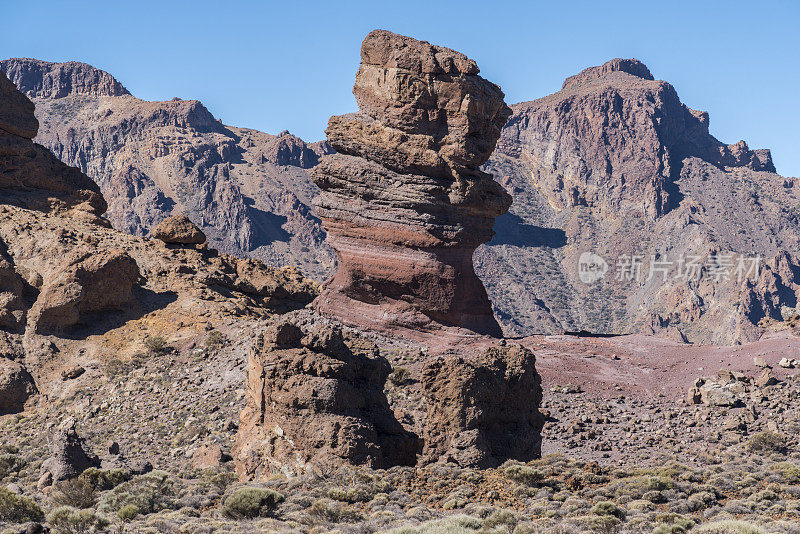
pixel 28 167
pixel 16 386
pixel 89 282
pixel 70 454
pixel 248 191
pixel 314 400
pixel 178 230
pixel 403 201
pixel 483 411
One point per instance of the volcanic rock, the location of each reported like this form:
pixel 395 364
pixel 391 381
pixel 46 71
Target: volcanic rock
pixel 70 455
pixel 16 386
pixel 26 166
pixel 404 202
pixel 484 411
pixel 179 230
pixel 88 282
pixel 318 404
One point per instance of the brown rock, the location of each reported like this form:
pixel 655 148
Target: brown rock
pixel 404 203
pixel 208 456
pixel 470 419
pixel 179 230
pixel 26 166
pixel 90 282
pixel 16 113
pixel 16 386
pixel 72 372
pixel 319 405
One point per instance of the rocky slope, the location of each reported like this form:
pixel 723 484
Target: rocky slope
pixel 615 174
pixel 248 190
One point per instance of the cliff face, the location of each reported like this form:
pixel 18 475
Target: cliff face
pixel 248 190
pixel 404 202
pixel 616 166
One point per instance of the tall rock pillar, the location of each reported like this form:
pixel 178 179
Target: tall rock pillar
pixel 403 200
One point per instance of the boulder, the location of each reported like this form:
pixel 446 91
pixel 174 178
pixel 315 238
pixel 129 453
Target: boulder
pixel 318 404
pixel 403 201
pixel 16 386
pixel 179 230
pixel 89 282
pixel 483 411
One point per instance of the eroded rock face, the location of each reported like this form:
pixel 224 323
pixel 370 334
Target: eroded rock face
pixel 404 202
pixel 179 230
pixel 90 282
pixel 483 411
pixel 16 386
pixel 315 399
pixel 26 166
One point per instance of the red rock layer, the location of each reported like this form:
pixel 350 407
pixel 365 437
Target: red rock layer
pixel 403 201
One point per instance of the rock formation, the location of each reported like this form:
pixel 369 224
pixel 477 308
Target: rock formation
pixel 315 399
pixel 248 191
pixel 613 166
pixel 16 386
pixel 89 281
pixel 178 230
pixel 483 411
pixel 403 201
pixel 70 454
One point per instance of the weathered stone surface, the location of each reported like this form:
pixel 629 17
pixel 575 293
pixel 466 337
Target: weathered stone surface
pixel 318 404
pixel 179 230
pixel 404 202
pixel 483 411
pixel 88 282
pixel 70 454
pixel 16 386
pixel 26 166
pixel 16 115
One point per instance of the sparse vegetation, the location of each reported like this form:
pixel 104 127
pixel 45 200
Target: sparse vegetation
pixel 247 503
pixel 18 508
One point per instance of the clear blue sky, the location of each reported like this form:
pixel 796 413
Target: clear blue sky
pixel 290 64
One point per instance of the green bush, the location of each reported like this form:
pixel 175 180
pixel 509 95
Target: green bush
pixel 82 491
pixel 67 520
pixel 214 340
pixel 128 512
pixel 524 474
pixel 251 502
pixel 18 508
pixel 455 524
pixel 149 493
pixel 335 513
pixel 156 344
pixel 767 442
pixel 608 508
pixel 350 495
pixel 10 463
